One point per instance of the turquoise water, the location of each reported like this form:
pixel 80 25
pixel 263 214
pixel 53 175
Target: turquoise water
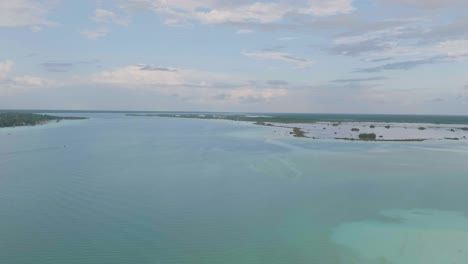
pixel 117 189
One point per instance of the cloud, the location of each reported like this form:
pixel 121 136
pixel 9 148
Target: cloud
pixel 106 16
pixel 380 59
pixel 277 82
pixel 223 12
pixel 95 34
pixel 363 47
pixel 446 51
pixel 327 8
pixel 28 81
pixel 157 68
pixel 404 65
pixel 154 76
pixel 403 37
pixel 280 56
pixel 16 84
pixel 359 80
pixel 453 48
pixel 256 12
pixel 250 95
pixel 374 37
pixel 66 66
pixel 414 41
pixel 5 69
pixel 455 28
pixel 201 87
pixel 427 4
pixel 419 30
pixel 57 66
pixel 287 38
pixel 17 13
pixel 36 29
pixel 245 31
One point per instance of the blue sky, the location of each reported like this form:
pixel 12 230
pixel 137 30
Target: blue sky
pixel 335 56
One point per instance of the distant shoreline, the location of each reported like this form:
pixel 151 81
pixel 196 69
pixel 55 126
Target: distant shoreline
pixel 368 131
pixel 15 119
pixel 298 132
pixel 314 118
pixel 465 116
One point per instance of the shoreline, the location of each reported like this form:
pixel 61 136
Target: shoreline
pixel 13 119
pixel 368 135
pixel 342 130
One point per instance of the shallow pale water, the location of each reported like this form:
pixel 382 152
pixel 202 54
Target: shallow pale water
pixel 117 189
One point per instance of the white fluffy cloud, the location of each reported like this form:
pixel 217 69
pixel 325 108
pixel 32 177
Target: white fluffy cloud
pixel 220 11
pixel 149 75
pixel 16 13
pixel 256 12
pixel 11 84
pixel 192 85
pixel 107 16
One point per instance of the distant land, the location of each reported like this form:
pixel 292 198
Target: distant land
pixel 14 119
pixel 305 118
pixel 383 128
pixel 352 127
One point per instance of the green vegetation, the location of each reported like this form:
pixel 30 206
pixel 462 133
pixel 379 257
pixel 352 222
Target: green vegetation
pixel 355 129
pixel 258 123
pixel 366 137
pixel 386 140
pixel 422 128
pixel 297 132
pixel 11 119
pixel 387 127
pixel 372 126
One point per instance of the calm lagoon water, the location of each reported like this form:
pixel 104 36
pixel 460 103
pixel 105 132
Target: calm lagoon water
pixel 117 189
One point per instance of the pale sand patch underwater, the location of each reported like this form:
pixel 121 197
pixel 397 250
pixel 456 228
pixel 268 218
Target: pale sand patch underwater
pixel 408 237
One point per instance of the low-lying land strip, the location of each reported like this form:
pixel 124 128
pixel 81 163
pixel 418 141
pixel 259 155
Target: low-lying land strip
pixel 350 130
pixel 12 119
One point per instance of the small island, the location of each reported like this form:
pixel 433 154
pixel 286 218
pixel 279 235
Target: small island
pixel 367 137
pixel 297 132
pixel 14 119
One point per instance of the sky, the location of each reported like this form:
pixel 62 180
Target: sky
pixel 317 56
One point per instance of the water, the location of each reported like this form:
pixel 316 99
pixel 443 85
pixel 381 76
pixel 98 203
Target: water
pixel 117 189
